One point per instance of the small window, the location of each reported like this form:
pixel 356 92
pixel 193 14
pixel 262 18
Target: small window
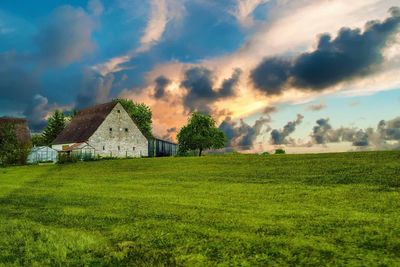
pixel 119 148
pixel 118 111
pixel 104 148
pixel 110 129
pixel 133 148
pixel 126 130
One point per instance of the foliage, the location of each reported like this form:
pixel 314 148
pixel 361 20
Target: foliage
pixel 141 115
pixel 200 133
pixel 38 140
pixel 229 210
pixel 280 151
pixel 265 153
pixel 55 125
pixel 12 150
pixel 64 158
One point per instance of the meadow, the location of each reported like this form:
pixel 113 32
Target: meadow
pixel 229 210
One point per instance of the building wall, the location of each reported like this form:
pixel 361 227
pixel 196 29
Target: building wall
pixel 125 139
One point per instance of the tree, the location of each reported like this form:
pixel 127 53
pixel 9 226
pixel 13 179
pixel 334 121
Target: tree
pixel 200 133
pixel 141 115
pixel 55 125
pixel 12 149
pixel 38 140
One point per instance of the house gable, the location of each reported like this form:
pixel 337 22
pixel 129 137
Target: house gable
pixel 118 136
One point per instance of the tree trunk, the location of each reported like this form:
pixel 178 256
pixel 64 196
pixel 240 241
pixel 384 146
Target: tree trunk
pixel 200 150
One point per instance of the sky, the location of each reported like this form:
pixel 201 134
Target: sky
pixel 303 75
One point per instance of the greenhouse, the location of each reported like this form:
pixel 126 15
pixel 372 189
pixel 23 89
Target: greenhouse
pixel 42 154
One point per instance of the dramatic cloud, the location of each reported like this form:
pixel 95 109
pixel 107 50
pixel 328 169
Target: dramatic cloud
pixel 244 10
pixel 162 12
pixel 161 83
pixel 386 131
pixel 96 88
pixel 278 137
pixel 170 134
pixel 65 37
pixel 17 84
pixel 241 135
pixel 269 110
pixel 351 54
pixel 36 112
pixel 390 130
pixel 199 83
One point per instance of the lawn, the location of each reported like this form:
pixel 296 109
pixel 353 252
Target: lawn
pixel 248 210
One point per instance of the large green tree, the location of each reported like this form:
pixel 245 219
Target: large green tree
pixel 12 149
pixel 55 125
pixel 141 115
pixel 200 133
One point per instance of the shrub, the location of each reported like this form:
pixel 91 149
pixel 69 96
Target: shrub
pixel 265 154
pixel 64 158
pixel 280 151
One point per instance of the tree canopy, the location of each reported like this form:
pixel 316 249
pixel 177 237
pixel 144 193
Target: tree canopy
pixel 200 133
pixel 141 115
pixel 12 150
pixel 55 125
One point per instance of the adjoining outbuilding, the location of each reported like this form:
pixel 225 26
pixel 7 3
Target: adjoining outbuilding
pixel 42 154
pixel 162 148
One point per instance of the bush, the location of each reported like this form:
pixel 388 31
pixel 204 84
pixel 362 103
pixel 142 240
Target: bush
pixel 64 158
pixel 280 151
pixel 265 154
pixel 87 157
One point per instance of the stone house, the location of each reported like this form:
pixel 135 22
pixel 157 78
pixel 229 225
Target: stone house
pixel 107 128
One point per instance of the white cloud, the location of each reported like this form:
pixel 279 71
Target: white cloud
pixel 244 11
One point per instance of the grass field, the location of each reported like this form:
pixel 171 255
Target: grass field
pixel 248 210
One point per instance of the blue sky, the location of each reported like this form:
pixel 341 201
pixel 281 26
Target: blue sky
pixel 254 65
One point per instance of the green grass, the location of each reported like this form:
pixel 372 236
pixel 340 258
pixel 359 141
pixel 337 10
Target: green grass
pixel 248 210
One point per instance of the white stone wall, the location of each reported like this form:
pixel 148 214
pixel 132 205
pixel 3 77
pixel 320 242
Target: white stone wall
pixel 125 139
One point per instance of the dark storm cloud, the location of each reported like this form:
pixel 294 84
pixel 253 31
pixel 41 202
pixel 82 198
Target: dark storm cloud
pixel 199 84
pixel 271 75
pixel 228 85
pixel 242 135
pixel 17 84
pixel 65 37
pixel 351 54
pixel 161 83
pixel 36 112
pixel 279 137
pixel 95 89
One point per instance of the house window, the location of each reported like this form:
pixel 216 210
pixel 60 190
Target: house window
pixel 133 148
pixel 110 130
pixel 104 148
pixel 126 130
pixel 119 148
pixel 118 111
